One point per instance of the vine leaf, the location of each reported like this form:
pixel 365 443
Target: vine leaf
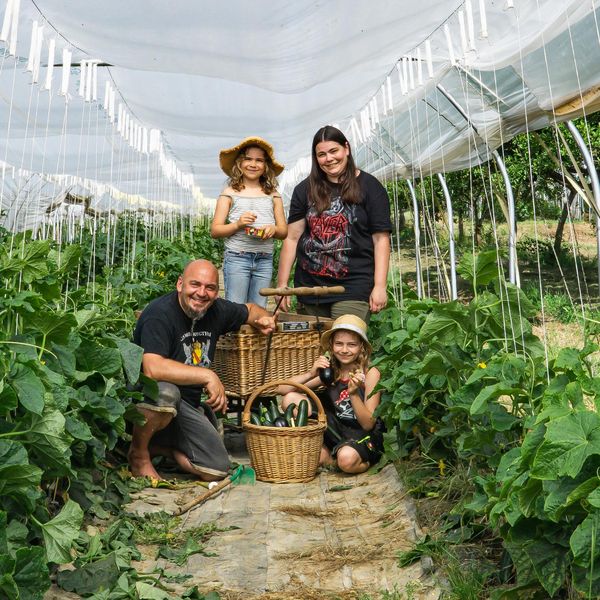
pixel 61 531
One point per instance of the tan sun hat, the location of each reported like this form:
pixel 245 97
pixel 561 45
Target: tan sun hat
pixel 227 157
pixel 346 323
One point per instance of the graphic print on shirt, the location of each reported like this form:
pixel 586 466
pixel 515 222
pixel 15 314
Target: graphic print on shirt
pixel 328 241
pixel 343 405
pixel 196 352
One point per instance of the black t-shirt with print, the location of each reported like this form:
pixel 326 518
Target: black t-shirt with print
pixel 336 247
pixel 163 328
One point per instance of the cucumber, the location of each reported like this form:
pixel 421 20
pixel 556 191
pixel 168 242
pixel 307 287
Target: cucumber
pixel 255 419
pixel 274 411
pixel 302 418
pixel 289 413
pixel 265 417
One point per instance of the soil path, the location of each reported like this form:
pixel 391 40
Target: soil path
pixel 336 536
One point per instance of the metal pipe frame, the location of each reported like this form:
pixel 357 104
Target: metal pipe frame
pixel 513 269
pixel 453 289
pixel 417 238
pixel 591 167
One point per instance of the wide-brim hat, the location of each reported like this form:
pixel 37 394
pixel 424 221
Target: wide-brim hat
pixel 346 323
pixel 227 157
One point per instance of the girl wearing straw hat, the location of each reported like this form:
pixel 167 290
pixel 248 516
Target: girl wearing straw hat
pixel 354 436
pixel 249 215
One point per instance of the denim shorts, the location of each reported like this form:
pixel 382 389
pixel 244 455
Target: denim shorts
pixel 245 273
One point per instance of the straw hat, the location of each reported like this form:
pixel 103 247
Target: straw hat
pixel 227 157
pixel 346 323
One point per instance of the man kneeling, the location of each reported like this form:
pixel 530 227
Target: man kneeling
pixel 179 333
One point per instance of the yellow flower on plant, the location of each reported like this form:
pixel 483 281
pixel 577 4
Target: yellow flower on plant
pixel 442 467
pixel 482 365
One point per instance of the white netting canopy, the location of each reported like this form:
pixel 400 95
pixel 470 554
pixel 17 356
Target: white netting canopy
pixel 143 94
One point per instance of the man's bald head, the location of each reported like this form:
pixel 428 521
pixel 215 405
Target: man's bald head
pixel 198 287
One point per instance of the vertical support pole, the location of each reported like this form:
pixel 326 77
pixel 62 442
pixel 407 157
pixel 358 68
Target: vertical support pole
pixel 417 238
pixel 453 290
pixel 513 267
pixel 589 161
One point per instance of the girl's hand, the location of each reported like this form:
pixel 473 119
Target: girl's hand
pixel 246 219
pixel 322 362
pixel 356 381
pixel 268 231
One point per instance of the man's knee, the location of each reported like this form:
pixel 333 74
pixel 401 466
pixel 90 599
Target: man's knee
pixel 167 401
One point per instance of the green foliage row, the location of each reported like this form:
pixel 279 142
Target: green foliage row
pixel 470 384
pixel 67 367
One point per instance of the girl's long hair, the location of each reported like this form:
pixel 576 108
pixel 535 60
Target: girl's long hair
pixel 319 187
pixel 268 181
pixel 362 359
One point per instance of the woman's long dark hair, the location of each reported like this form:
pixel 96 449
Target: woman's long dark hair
pixel 319 187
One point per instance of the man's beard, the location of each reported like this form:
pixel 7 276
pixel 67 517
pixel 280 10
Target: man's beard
pixel 193 314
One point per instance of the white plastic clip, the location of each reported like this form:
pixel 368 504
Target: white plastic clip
pixel 429 59
pixel 483 19
pixel 50 68
pixel 66 71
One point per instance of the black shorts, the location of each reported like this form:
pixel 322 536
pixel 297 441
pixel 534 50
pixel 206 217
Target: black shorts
pixel 368 444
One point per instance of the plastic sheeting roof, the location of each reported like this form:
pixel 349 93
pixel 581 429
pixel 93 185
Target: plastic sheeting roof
pixel 175 82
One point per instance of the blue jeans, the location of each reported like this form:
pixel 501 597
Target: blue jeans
pixel 245 273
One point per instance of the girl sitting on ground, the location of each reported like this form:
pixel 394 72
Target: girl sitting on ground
pixel 354 436
pixel 249 214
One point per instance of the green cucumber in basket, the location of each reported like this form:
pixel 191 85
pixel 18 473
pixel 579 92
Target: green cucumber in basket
pixel 255 419
pixel 265 417
pixel 274 411
pixel 289 413
pixel 302 418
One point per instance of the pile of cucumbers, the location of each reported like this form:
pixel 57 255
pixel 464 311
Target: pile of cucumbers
pixel 273 417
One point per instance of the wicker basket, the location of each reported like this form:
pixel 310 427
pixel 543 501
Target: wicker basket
pixel 240 357
pixel 284 454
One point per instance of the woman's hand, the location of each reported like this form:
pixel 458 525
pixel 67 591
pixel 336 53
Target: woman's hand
pixel 322 362
pixel 378 299
pixel 284 305
pixel 246 219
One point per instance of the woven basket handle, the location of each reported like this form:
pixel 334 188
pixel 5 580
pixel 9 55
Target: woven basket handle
pixel 319 290
pixel 321 418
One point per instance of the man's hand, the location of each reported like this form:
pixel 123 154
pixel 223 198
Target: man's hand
pixel 265 324
pixel 215 392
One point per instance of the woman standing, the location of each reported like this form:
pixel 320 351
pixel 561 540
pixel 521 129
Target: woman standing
pixel 338 233
pixel 249 215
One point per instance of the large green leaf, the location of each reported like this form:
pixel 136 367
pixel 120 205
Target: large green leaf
pixel 8 398
pixel 31 573
pixel 66 258
pixel 8 587
pixel 49 442
pixel 145 591
pixel 131 355
pixel 491 392
pixel 91 578
pixel 479 270
pixel 29 261
pixel 61 531
pixel 567 444
pixel 16 474
pixel 29 388
pixel 585 541
pixel 536 558
pixel 94 357
pixel 55 327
